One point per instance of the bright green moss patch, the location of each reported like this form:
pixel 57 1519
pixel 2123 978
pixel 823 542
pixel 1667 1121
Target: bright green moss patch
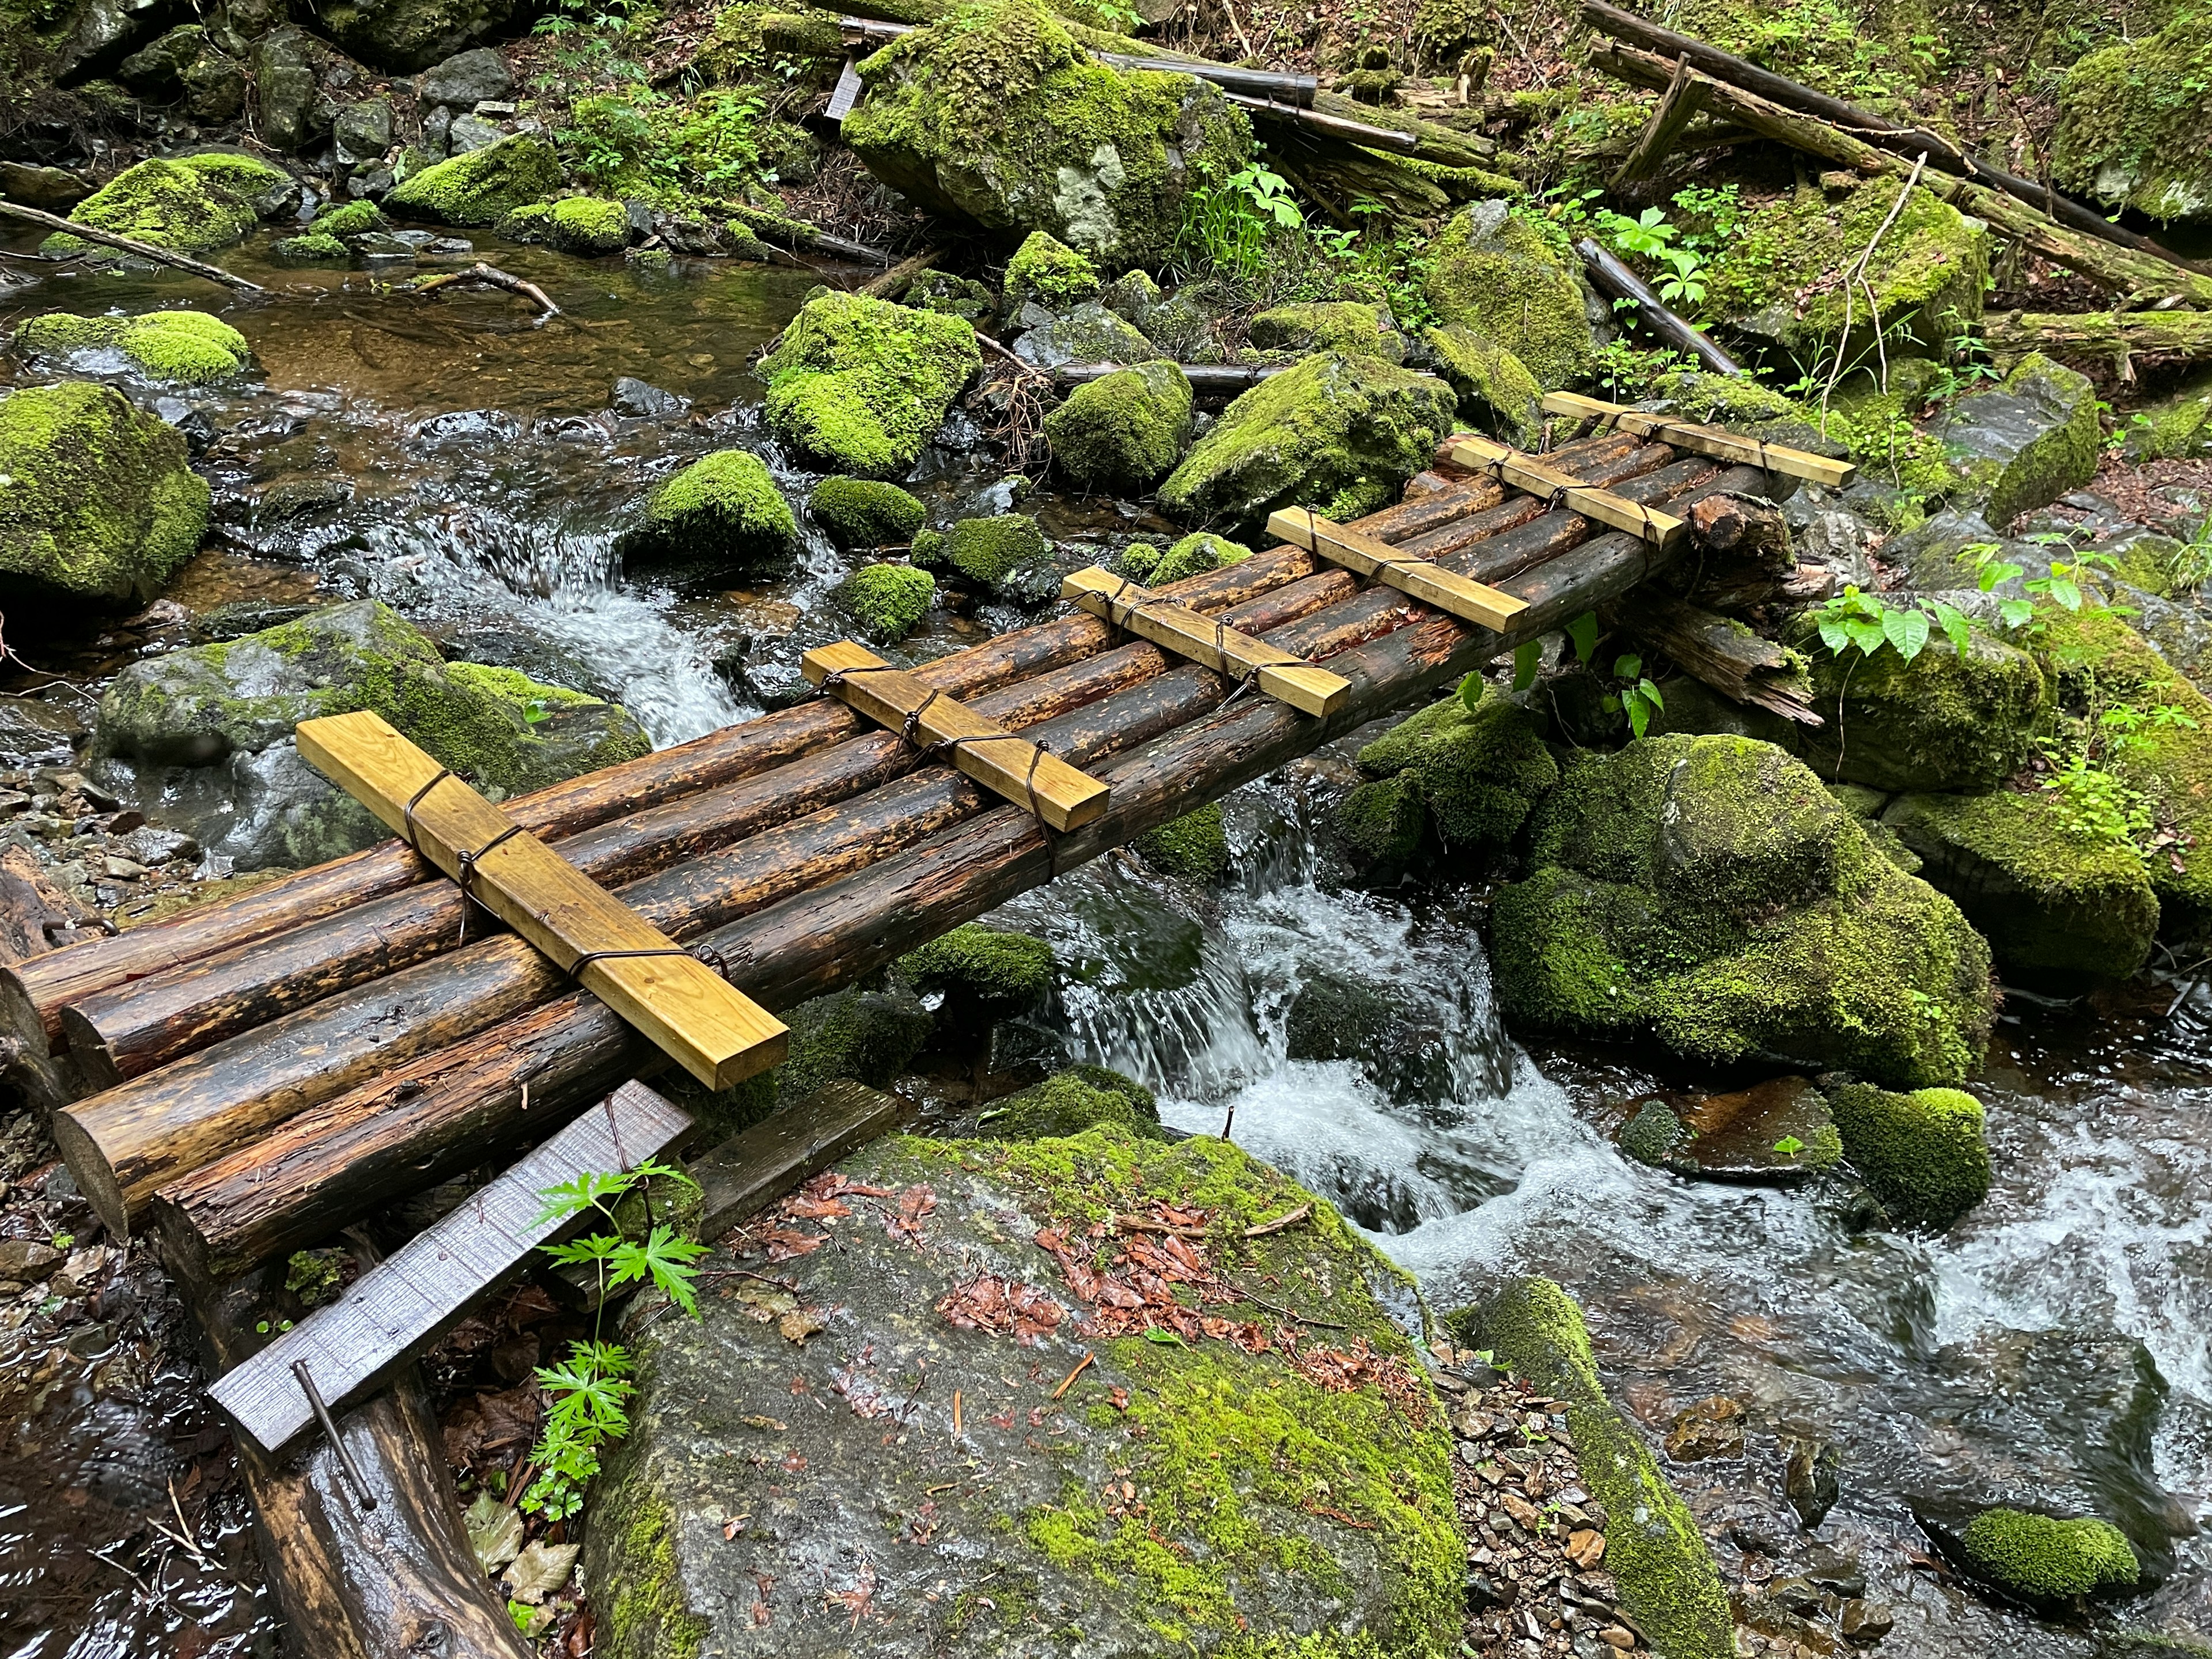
pixel 725 507
pixel 587 226
pixel 310 244
pixel 1046 269
pixel 887 599
pixel 1005 553
pixel 2132 119
pixel 861 386
pixel 1192 848
pixel 1497 276
pixel 1480 773
pixel 2049 1559
pixel 1125 431
pixel 1327 325
pixel 352 219
pixel 1496 389
pixel 189 346
pixel 481 186
pixel 1922 1154
pixel 194 205
pixel 1383 823
pixel 648 1618
pixel 862 513
pixel 983 975
pixel 1073 1103
pixel 1193 555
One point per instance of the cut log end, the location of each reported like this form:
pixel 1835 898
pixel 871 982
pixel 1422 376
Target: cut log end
pixel 95 1179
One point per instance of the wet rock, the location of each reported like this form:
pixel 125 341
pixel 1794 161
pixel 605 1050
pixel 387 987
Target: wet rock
pixel 1495 275
pixel 2025 445
pixel 1813 1480
pixel 1046 272
pixel 466 80
pixel 482 186
pixel 863 513
pixel 724 509
pixel 178 346
pixel 289 66
pixel 1124 431
pixel 975 976
pixel 26 1261
pixel 1496 391
pixel 1088 334
pixel 186 67
pixel 1778 1131
pixel 1864 1623
pixel 55 189
pixel 1922 1154
pixel 860 385
pixel 33 730
pixel 1478 772
pixel 467 133
pixel 193 204
pixel 1711 1428
pixel 1193 847
pixel 362 132
pixel 1334 1017
pixel 411 34
pixel 498 646
pixel 644 401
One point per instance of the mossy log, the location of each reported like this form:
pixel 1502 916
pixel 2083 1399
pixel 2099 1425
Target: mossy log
pixel 2114 337
pixel 1741 665
pixel 286 1180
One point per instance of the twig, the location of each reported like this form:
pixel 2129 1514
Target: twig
pixel 1858 274
pixel 128 245
pixel 1277 1308
pixel 491 276
pixel 1279 1223
pixel 1068 1382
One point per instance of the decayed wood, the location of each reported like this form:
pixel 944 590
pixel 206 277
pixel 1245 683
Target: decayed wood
pixel 1748 530
pixel 129 245
pixel 1217 378
pixel 1425 579
pixel 1684 97
pixel 1006 764
pixel 2115 337
pixel 1295 91
pixel 1235 656
pixel 481 275
pixel 1528 473
pixel 1617 281
pixel 691 1011
pixel 1713 440
pixel 757 1166
pixel 1725 654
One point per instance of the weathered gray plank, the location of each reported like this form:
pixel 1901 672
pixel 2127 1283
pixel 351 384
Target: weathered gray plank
pixel 757 1165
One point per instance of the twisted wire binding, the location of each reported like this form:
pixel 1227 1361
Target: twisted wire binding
pixel 910 729
pixel 706 954
pixel 407 830
pixel 464 861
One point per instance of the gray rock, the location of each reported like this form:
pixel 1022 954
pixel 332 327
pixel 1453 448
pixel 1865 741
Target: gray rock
pixel 407 35
pixel 1841 541
pixel 55 189
pixel 362 131
pixel 466 79
pixel 647 401
pixel 287 69
pixel 1088 334
pixel 2026 444
pixel 470 132
pixel 185 67
pixel 34 732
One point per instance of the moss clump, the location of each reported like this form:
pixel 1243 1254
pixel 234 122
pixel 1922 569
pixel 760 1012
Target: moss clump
pixel 310 244
pixel 1046 269
pixel 887 599
pixel 992 114
pixel 1668 1582
pixel 862 513
pixel 99 498
pixel 724 507
pixel 2178 428
pixel 2131 122
pixel 1339 435
pixel 861 386
pixel 527 223
pixel 313 1275
pixel 1192 848
pixel 1496 391
pixel 1710 892
pixel 1343 325
pixel 1125 431
pixel 351 219
pixel 1005 553
pixel 1922 1154
pixel 1479 772
pixel 2049 1559
pixel 1494 273
pixel 188 346
pixel 1384 824
pixel 587 226
pixel 481 186
pixel 194 205
pixel 983 975
pixel 1073 1103
pixel 634 1549
pixel 2051 895
pixel 1194 556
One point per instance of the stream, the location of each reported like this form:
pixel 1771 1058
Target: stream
pixel 471 468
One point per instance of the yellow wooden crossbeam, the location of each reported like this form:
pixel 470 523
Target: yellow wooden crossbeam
pixel 1527 472
pixel 1706 439
pixel 1424 578
pixel 1178 628
pixel 699 1019
pixel 995 757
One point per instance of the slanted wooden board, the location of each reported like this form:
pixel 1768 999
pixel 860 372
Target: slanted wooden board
pixel 698 1019
pixel 1429 582
pixel 754 1167
pixel 422 1290
pixel 1235 656
pixel 1034 779
pixel 1706 439
pixel 1528 472
pixel 845 94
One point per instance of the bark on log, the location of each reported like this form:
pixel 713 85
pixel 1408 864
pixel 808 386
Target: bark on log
pixel 1215 380
pixel 1617 281
pixel 2115 337
pixel 1684 97
pixel 1745 529
pixel 483 276
pixel 129 245
pixel 1740 665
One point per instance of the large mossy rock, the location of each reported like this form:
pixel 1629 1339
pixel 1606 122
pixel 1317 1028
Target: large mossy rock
pixel 2049 1561
pixel 1196 1488
pixel 98 499
pixel 1345 325
pixel 1124 431
pixel 722 510
pixel 481 186
pixel 2131 123
pixel 995 115
pixel 411 34
pixel 1926 277
pixel 1496 275
pixel 1923 1153
pixel 2025 444
pixel 1710 892
pixel 1339 435
pixel 1497 392
pixel 1478 772
pixel 2051 895
pixel 186 346
pixel 2178 427
pixel 193 204
pixel 1665 1570
pixel 205 735
pixel 861 386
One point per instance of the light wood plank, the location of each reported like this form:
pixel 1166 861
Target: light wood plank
pixel 706 1025
pixel 845 94
pixel 1184 631
pixel 1713 440
pixel 1423 578
pixel 420 1292
pixel 1034 780
pixel 1526 472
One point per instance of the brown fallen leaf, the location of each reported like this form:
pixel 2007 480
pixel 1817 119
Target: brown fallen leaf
pixel 801 1323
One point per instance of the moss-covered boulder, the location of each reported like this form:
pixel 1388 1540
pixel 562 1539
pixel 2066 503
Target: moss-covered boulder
pixel 1922 1153
pixel 980 975
pixel 2025 444
pixel 861 386
pixel 407 35
pixel 1710 892
pixel 310 246
pixel 480 186
pixel 724 508
pixel 1926 278
pixel 1192 555
pixel 2047 1560
pixel 1496 391
pixel 1494 273
pixel 1125 431
pixel 995 115
pixel 1073 1103
pixel 1047 271
pixel 1942 721
pixel 865 513
pixel 2131 123
pixel 588 226
pixel 1170 1498
pixel 185 346
pixel 1339 435
pixel 1667 1581
pixel 886 600
pixel 1007 553
pixel 2053 893
pixel 98 499
pixel 205 732
pixel 2178 427
pixel 1343 325
pixel 1192 848
pixel 192 205
pixel 1384 825
pixel 347 219
pixel 1478 772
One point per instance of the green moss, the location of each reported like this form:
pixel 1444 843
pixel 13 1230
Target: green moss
pixel 861 386
pixel 1073 1103
pixel 1194 556
pixel 97 498
pixel 352 219
pixel 2049 1559
pixel 193 204
pixel 528 224
pixel 983 975
pixel 1668 1583
pixel 2131 122
pixel 188 346
pixel 1005 553
pixel 1876 429
pixel 724 506
pixel 313 1275
pixel 481 186
pixel 1046 269
pixel 1494 273
pixel 887 599
pixel 862 513
pixel 1922 1154
pixel 1481 772
pixel 1383 823
pixel 1653 1134
pixel 2015 477
pixel 648 1618
pixel 1125 431
pixel 1496 391
pixel 588 226
pixel 1343 325
pixel 2177 428
pixel 311 245
pixel 928 550
pixel 1192 848
pixel 1341 435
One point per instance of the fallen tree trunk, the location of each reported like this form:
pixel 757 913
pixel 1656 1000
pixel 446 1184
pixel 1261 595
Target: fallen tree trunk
pixel 1741 665
pixel 2116 336
pixel 1617 281
pixel 129 245
pixel 483 276
pixel 1217 380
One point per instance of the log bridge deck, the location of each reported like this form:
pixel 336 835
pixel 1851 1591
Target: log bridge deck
pixel 251 1077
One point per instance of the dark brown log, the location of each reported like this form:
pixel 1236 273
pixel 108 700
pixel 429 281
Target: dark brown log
pixel 1684 97
pixel 129 245
pixel 481 275
pixel 1215 380
pixel 2114 337
pixel 1746 529
pixel 757 1166
pixel 1617 281
pixel 1728 656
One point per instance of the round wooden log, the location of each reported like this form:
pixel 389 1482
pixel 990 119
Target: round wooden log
pixel 1617 281
pixel 2112 337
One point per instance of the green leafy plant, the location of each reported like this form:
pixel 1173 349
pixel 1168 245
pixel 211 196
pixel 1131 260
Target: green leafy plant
pixel 1790 1146
pixel 1866 622
pixel 1639 698
pixel 1228 226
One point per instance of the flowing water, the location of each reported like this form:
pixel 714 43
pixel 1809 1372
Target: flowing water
pixel 470 466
